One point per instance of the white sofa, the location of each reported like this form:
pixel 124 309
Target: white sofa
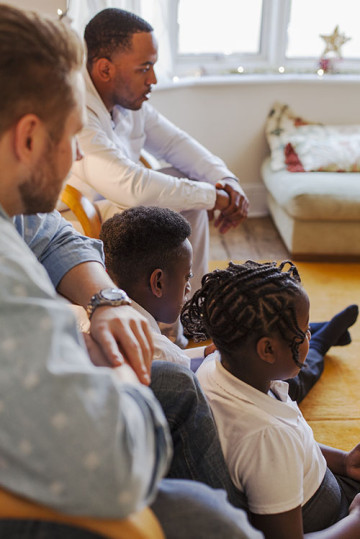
pixel 316 213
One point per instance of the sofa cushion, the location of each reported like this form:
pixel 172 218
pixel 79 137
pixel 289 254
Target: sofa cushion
pixel 324 196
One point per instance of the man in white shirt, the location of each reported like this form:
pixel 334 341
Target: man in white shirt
pixel 122 52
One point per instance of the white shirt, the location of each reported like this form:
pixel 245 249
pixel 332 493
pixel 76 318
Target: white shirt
pixel 112 144
pixel 164 349
pixel 268 446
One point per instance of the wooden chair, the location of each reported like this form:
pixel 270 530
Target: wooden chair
pixel 83 209
pixel 145 161
pixel 140 525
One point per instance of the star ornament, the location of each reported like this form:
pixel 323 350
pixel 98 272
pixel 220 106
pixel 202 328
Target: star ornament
pixel 334 42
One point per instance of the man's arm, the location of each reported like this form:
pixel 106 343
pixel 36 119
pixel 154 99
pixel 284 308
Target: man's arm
pixel 51 393
pixel 167 141
pixel 108 170
pixel 75 266
pixel 122 333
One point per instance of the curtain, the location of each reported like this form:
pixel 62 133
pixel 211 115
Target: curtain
pixel 156 12
pixel 81 11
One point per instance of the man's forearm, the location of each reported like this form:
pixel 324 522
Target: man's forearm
pixel 83 281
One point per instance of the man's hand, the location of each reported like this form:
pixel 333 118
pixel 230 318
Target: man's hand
pixel 221 203
pixel 123 336
pixel 123 371
pixel 236 210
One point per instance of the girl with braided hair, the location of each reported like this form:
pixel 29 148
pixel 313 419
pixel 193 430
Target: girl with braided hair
pixel 258 317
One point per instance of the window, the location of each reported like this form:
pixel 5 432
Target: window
pixel 210 36
pixel 229 27
pixel 303 31
pixel 213 37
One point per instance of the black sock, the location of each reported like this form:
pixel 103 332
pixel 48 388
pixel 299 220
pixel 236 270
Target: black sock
pixel 343 340
pixel 330 333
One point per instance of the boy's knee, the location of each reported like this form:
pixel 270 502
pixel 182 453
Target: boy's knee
pixel 176 387
pixel 166 375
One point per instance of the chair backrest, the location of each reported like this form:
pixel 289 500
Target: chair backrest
pixel 145 161
pixel 83 209
pixel 140 525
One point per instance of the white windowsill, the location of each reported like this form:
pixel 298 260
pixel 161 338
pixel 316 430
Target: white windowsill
pixel 261 78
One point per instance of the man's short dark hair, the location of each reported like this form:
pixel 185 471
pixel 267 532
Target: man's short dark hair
pixel 110 31
pixel 140 240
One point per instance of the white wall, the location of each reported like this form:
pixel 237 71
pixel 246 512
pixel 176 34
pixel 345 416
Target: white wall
pixel 228 115
pixel 48 7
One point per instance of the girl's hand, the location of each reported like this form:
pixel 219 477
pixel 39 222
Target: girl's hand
pixel 352 463
pixel 355 505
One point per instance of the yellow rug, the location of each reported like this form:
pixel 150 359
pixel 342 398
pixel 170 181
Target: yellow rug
pixel 332 407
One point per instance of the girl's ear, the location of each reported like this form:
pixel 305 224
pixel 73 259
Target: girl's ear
pixel 266 350
pixel 157 282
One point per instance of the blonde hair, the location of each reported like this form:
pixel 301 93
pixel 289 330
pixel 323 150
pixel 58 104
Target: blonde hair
pixel 37 58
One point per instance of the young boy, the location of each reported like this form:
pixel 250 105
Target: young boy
pixel 148 254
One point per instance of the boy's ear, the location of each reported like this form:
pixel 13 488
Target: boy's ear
pixel 157 282
pixel 265 349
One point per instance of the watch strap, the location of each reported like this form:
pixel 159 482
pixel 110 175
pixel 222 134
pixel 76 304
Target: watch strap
pixel 98 300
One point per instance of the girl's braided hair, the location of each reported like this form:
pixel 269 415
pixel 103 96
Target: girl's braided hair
pixel 244 299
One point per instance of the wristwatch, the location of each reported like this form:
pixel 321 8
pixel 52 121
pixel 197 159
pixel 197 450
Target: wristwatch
pixel 108 296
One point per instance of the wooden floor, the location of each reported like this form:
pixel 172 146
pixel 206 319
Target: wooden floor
pixel 256 239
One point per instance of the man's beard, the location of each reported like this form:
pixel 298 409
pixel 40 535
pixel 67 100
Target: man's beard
pixel 39 193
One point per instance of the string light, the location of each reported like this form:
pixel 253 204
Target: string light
pixel 240 69
pixel 281 69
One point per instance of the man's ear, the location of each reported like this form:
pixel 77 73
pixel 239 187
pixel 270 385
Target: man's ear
pixel 103 69
pixel 157 282
pixel 29 138
pixel 265 349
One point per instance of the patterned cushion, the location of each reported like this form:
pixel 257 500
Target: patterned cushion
pixel 300 146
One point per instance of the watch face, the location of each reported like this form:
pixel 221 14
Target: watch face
pixel 113 294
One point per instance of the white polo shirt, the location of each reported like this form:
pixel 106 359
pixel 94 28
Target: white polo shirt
pixel 268 446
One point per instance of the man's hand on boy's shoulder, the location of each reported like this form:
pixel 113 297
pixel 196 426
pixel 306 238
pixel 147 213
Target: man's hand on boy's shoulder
pixel 123 336
pixel 124 372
